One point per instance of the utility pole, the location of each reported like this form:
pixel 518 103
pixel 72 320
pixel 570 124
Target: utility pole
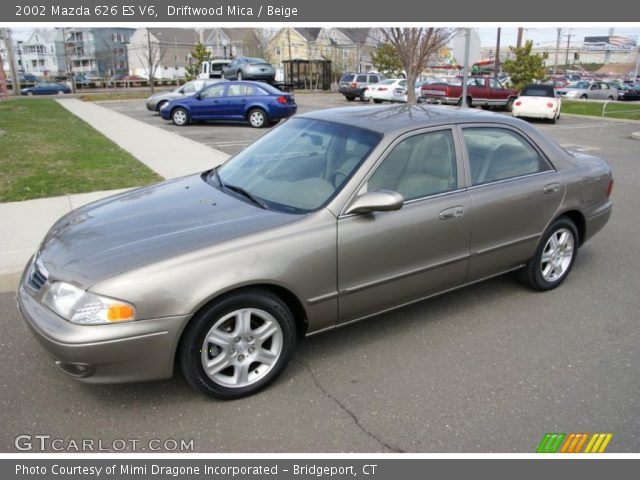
pixel 496 65
pixel 635 74
pixel 465 73
pixel 4 93
pixel 566 58
pixel 12 62
pixel 519 40
pixel 68 61
pixel 555 62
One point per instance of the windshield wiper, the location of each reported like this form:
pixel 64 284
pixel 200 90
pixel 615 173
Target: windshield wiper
pixel 243 192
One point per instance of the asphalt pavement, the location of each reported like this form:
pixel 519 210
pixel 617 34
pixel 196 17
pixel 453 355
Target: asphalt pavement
pixel 489 368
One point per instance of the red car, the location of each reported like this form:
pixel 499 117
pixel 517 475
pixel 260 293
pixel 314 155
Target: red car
pixel 481 91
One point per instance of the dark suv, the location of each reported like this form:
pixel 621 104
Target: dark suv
pixel 354 85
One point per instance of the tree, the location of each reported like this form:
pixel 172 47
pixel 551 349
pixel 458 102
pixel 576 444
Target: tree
pixel 386 60
pixel 415 47
pixel 526 66
pixel 257 43
pixel 151 55
pixel 199 55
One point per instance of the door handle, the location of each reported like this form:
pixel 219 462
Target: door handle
pixel 453 212
pixel 552 188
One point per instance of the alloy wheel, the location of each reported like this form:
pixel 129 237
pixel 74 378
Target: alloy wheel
pixel 557 255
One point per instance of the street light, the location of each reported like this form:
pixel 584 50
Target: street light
pixel 126 59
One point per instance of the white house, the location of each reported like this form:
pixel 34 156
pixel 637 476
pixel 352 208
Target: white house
pixel 43 54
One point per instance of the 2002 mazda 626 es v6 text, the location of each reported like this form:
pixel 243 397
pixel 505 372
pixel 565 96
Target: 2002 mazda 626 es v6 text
pixel 334 216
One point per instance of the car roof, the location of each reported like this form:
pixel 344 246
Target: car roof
pixel 387 119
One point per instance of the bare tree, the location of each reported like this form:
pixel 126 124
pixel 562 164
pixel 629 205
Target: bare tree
pixel 257 43
pixel 416 46
pixel 151 55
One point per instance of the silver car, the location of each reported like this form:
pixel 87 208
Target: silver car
pixel 584 90
pixel 330 218
pixel 156 101
pixel 246 68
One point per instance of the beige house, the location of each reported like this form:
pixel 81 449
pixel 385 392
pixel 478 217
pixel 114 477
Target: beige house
pixel 349 49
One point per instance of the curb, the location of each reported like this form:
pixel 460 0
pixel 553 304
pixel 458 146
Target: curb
pixel 635 136
pixel 604 119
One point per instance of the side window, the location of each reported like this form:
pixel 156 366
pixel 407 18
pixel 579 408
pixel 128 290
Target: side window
pixel 235 90
pixel 495 84
pixel 418 166
pixel 373 79
pixel 189 88
pixel 215 91
pixel 497 154
pixel 361 79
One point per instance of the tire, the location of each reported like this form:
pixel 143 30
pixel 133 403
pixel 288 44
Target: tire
pixel 350 98
pixel 160 105
pixel 180 117
pixel 553 120
pixel 583 96
pixel 222 77
pixel 246 339
pixel 239 75
pixel 257 118
pixel 610 98
pixel 30 93
pixel 543 275
pixel 377 100
pixel 60 92
pixel 362 97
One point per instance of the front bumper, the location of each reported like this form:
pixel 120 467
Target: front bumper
pixel 127 352
pixel 152 106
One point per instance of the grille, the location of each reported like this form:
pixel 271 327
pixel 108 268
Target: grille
pixel 38 276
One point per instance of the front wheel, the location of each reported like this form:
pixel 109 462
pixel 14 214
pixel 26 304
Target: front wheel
pixel 377 100
pixel 610 98
pixel 583 97
pixel 554 257
pixel 363 97
pixel 257 118
pixel 60 92
pixel 238 345
pixel 350 98
pixel 30 93
pixel 180 117
pixel 509 105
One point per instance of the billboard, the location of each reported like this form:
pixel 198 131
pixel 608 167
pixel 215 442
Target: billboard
pixel 610 43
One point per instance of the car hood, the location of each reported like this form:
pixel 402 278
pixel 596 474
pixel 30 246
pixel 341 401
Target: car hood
pixel 165 96
pixel 141 226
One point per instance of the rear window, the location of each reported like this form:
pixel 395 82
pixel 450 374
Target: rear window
pixel 538 91
pixel 347 78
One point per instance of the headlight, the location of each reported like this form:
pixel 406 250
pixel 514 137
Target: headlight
pixel 86 308
pixel 571 93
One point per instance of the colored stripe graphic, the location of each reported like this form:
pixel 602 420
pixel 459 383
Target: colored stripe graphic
pixel 550 442
pixel 598 443
pixel 573 442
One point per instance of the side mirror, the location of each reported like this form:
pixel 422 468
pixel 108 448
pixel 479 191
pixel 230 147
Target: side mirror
pixel 197 96
pixel 376 201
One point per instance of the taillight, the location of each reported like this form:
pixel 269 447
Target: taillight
pixel 518 103
pixel 354 85
pixel 282 99
pixel 382 89
pixel 550 105
pixel 610 187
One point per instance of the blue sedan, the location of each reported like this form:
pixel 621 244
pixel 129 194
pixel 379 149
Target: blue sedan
pixel 258 103
pixel 46 89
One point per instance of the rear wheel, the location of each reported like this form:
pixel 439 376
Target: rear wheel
pixel 257 118
pixel 377 100
pixel 509 105
pixel 583 96
pixel 350 98
pixel 30 93
pixel 363 97
pixel 238 345
pixel 610 98
pixel 60 92
pixel 554 257
pixel 180 117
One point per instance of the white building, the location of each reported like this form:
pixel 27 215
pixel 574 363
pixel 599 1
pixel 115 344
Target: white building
pixel 43 54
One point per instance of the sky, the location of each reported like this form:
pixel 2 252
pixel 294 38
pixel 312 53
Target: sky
pixel 540 36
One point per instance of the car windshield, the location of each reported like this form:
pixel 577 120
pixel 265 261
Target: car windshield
pixel 299 166
pixel 389 81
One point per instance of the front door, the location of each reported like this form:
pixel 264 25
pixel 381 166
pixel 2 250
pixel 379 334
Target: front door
pixel 210 104
pixel 386 259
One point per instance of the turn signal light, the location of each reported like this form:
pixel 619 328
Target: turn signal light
pixel 119 313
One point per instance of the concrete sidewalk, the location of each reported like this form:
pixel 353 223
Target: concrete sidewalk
pixel 168 154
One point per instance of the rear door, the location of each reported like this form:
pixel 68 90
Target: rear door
pixel 237 97
pixel 515 193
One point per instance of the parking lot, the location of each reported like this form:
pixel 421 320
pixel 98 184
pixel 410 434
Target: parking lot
pixel 489 368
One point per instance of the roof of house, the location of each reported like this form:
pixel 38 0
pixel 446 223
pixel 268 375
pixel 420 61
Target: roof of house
pixel 45 36
pixel 356 35
pixel 179 35
pixel 310 34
